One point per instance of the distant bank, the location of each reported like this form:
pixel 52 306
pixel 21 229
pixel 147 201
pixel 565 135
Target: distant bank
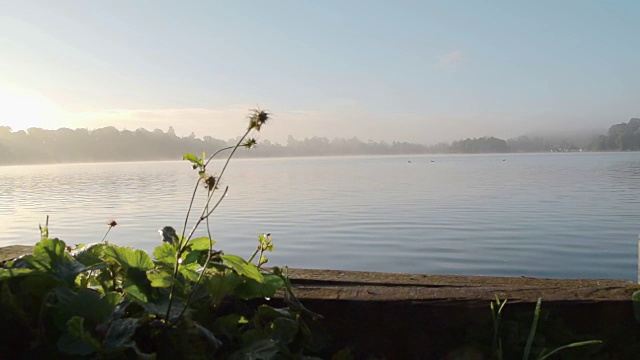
pixel 41 146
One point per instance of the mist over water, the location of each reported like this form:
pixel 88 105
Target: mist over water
pixel 572 215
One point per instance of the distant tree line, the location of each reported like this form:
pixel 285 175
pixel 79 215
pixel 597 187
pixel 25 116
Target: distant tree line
pixel 65 145
pixel 621 137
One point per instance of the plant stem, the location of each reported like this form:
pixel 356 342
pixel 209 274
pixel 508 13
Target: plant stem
pixel 105 235
pixel 195 190
pixel 206 214
pixel 204 269
pixel 193 196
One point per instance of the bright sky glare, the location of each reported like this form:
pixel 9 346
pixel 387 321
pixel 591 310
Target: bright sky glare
pixel 423 71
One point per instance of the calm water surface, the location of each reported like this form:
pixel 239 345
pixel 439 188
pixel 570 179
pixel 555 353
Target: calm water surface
pixel 547 215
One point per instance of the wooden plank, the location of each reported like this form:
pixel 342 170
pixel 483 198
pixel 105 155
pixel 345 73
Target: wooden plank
pixel 14 251
pixel 373 286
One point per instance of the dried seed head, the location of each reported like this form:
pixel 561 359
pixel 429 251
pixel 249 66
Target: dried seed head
pixel 257 119
pixel 210 182
pixel 250 143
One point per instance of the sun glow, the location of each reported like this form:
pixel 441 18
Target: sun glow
pixel 22 108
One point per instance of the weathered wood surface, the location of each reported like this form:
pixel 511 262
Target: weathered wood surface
pixel 377 286
pixel 372 286
pixel 14 251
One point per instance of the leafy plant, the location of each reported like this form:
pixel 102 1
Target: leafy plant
pixel 497 345
pixel 187 301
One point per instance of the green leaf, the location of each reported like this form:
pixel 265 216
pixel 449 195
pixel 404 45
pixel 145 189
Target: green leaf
pixel 111 299
pixel 250 289
pixel 136 285
pixel 165 256
pixel 242 267
pixel 77 341
pixel 75 326
pixel 50 255
pixel 10 273
pixel 532 331
pixel 161 279
pixel 201 243
pixel 190 257
pixel 268 313
pixel 87 304
pixel 222 285
pixel 48 251
pixel 191 157
pixel 90 254
pixel 159 307
pixel 284 330
pixel 229 325
pixel 208 336
pixel 120 334
pixel 189 271
pixel 13 307
pixel 572 345
pixel 129 258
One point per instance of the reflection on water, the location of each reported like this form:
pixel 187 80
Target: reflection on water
pixel 548 215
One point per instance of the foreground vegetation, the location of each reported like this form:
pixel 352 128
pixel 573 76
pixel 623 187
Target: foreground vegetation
pixel 187 301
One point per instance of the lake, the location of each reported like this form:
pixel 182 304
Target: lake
pixel 559 215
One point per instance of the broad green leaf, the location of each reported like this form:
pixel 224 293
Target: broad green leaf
pixel 267 313
pixel 189 271
pixel 75 326
pixel 10 273
pixel 120 334
pixel 250 289
pixel 201 243
pixel 129 258
pixel 111 299
pixel 86 303
pixel 90 254
pixel 190 257
pixel 77 341
pixel 284 330
pixel 13 306
pixel 51 255
pixel 242 267
pixel 222 285
pixel 229 325
pixel 161 279
pixel 48 251
pixel 136 285
pixel 208 336
pixel 159 308
pixel 165 255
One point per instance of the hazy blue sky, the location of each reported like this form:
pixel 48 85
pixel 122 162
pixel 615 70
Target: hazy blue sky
pixel 419 71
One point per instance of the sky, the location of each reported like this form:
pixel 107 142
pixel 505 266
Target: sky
pixel 417 71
